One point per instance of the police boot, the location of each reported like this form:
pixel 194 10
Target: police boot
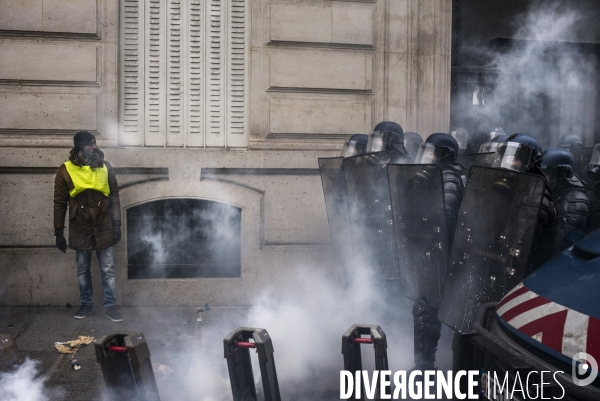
pixel 427 328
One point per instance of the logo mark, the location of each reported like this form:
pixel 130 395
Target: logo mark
pixel 583 364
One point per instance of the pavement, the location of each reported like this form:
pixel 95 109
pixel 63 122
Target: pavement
pixel 171 332
pixel 187 347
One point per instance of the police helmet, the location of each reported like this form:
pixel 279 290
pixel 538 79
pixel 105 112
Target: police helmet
pixel 356 145
pixel 557 163
pixel 437 148
pixel 520 152
pixel 385 134
pixel 570 141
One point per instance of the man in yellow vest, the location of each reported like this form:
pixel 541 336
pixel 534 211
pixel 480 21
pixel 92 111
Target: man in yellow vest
pixel 86 184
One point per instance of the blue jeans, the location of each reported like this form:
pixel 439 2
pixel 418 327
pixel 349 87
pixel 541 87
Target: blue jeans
pixel 84 277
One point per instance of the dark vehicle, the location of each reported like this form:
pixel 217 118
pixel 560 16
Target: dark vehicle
pixel 550 322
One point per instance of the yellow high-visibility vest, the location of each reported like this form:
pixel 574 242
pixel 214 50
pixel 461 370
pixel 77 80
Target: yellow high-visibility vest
pixel 85 177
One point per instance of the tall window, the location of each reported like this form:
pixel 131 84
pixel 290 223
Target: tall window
pixel 183 65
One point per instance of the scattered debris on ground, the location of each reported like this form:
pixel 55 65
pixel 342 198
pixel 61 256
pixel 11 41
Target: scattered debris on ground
pixel 71 347
pixel 75 364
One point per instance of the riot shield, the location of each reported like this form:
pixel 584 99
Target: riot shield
pixel 369 206
pixel 336 203
pixel 493 240
pixel 476 159
pixel 420 227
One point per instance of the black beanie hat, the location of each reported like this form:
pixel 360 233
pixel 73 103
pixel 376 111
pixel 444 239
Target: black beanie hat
pixel 81 138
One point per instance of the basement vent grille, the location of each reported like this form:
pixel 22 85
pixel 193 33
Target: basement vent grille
pixel 183 238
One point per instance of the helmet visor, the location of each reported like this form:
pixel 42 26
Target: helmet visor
pixel 412 147
pixel 377 141
pixel 353 147
pixel 488 147
pixel 512 156
pixel 429 153
pixel 381 140
pixel 495 134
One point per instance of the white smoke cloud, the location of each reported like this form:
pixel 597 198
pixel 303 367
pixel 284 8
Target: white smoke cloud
pixel 306 327
pixel 25 384
pixel 543 84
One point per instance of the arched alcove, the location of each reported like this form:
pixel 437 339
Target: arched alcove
pixel 183 238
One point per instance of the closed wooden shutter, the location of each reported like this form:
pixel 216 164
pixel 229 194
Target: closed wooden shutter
pixel 183 73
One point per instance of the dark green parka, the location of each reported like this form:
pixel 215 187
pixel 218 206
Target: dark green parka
pixel 91 214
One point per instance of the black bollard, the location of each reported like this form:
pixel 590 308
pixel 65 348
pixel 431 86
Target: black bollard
pixel 237 346
pixel 125 361
pixel 351 341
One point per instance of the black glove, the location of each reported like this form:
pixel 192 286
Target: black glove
pixel 61 241
pixel 116 232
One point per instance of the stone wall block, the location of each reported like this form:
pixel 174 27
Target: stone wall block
pixel 21 60
pixel 21 15
pixel 319 116
pixel 301 22
pixel 69 16
pixel 321 69
pixel 47 112
pixel 322 23
pixel 353 25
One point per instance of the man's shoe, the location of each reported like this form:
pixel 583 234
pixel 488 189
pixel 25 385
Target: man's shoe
pixel 84 311
pixel 113 314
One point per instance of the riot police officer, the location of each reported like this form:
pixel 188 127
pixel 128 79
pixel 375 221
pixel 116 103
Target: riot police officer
pixel 570 141
pixel 522 152
pixel 440 149
pixel 592 171
pixel 574 144
pixel 389 136
pixel 570 197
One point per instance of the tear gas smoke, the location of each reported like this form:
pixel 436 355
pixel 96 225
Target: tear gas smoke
pixel 545 84
pixel 25 384
pixel 305 309
pixel 306 327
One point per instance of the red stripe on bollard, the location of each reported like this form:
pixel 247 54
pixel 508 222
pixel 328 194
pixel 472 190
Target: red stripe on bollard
pixel 363 340
pixel 243 344
pixel 116 348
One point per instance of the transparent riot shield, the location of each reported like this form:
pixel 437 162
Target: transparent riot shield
pixel 336 202
pixel 369 206
pixel 493 240
pixel 476 159
pixel 420 227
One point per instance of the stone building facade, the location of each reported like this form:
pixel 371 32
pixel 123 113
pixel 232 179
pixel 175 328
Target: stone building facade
pixel 229 101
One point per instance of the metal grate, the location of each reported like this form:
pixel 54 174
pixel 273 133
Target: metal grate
pixel 583 255
pixel 183 238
